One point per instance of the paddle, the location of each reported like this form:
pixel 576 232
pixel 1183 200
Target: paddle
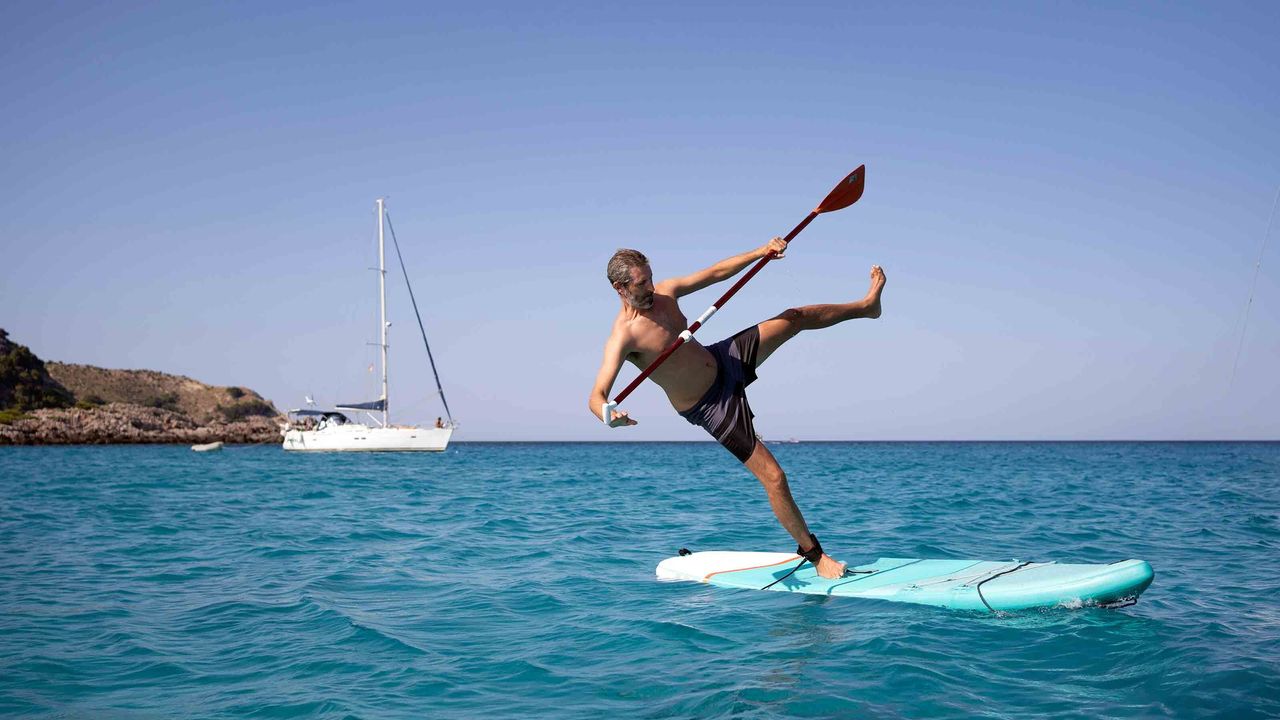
pixel 845 194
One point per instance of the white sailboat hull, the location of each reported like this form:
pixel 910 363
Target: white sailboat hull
pixel 353 437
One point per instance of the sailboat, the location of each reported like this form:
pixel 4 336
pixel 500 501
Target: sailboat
pixel 313 429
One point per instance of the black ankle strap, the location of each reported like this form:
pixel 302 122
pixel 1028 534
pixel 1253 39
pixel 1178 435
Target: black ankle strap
pixel 813 554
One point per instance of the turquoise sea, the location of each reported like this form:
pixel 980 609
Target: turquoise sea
pixel 517 580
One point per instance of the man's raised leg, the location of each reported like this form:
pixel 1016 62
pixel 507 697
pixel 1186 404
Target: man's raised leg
pixel 765 467
pixel 789 323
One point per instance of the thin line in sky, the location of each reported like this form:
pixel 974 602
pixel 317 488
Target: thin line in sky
pixel 1266 235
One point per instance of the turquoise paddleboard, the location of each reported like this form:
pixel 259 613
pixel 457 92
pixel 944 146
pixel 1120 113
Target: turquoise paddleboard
pixel 955 584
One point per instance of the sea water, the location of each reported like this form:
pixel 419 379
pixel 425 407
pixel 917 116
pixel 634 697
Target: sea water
pixel 517 580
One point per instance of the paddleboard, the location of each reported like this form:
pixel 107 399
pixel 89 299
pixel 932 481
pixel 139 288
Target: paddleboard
pixel 957 584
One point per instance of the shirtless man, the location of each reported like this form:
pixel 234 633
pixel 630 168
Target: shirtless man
pixel 706 384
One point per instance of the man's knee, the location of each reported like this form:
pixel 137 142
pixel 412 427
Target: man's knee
pixel 773 478
pixel 792 316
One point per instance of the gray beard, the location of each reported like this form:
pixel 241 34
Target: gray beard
pixel 638 305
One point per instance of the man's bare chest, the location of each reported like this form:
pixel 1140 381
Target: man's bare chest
pixel 654 331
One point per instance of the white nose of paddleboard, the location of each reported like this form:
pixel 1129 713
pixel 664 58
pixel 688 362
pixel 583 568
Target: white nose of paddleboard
pixel 698 566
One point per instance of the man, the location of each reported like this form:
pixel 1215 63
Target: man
pixel 706 385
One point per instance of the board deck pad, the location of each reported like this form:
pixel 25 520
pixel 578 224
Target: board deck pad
pixel 956 584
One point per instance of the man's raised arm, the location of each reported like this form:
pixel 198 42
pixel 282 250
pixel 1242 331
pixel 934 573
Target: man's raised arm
pixel 722 270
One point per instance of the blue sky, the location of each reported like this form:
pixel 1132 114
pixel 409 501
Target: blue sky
pixel 1069 201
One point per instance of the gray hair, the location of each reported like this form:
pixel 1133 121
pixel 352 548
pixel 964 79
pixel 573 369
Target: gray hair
pixel 620 265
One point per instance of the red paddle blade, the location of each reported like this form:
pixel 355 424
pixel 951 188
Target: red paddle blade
pixel 846 193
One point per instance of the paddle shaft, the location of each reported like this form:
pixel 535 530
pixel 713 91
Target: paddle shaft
pixel 687 334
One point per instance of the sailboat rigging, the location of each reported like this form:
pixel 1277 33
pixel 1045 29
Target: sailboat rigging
pixel 313 429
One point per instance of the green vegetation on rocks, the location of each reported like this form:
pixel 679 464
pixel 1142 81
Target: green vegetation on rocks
pixel 8 417
pixel 24 380
pixel 247 409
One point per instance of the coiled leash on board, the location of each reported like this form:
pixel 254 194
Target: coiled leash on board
pixel 812 556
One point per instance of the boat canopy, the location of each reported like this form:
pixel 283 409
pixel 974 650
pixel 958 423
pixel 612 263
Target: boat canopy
pixel 371 405
pixel 330 414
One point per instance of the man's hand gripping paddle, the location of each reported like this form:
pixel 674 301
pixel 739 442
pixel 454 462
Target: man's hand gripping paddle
pixel 844 195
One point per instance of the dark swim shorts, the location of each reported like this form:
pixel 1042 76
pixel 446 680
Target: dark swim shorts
pixel 723 410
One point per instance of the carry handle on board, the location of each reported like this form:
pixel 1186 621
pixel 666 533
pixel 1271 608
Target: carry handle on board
pixel 842 196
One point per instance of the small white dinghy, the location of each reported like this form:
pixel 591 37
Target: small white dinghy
pixel 207 447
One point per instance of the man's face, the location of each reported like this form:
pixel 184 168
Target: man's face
pixel 638 293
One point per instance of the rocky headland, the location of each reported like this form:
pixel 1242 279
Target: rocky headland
pixel 53 403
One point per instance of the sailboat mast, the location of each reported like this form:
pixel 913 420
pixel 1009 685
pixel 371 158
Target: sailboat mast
pixel 382 307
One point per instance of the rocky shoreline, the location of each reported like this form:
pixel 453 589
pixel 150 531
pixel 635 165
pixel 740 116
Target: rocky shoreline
pixel 119 423
pixel 67 404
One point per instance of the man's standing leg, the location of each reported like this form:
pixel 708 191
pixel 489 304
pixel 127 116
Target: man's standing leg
pixel 770 474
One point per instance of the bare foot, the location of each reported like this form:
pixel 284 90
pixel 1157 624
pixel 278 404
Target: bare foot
pixel 829 568
pixel 873 293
